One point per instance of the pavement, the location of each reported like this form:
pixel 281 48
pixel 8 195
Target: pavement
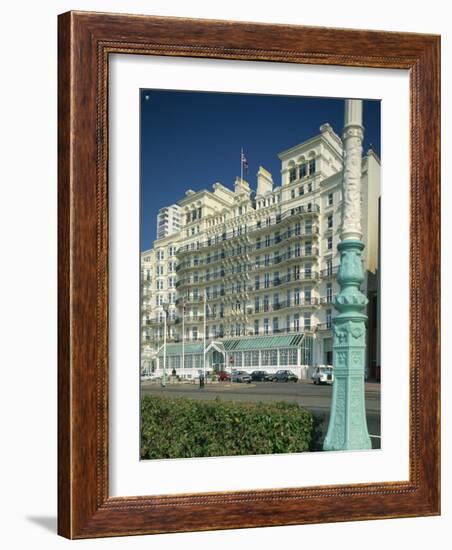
pixel 315 398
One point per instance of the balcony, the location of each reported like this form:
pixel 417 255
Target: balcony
pixel 244 233
pixel 286 258
pixel 329 272
pixel 328 299
pixel 324 326
pixel 285 304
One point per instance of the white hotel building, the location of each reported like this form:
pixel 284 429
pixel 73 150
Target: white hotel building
pixel 266 263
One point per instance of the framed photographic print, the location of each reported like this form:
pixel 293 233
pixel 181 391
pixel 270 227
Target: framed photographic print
pixel 248 275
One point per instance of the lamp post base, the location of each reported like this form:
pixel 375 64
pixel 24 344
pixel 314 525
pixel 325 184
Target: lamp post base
pixel 347 429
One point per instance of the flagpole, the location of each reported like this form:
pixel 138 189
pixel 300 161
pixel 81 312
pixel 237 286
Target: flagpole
pixel 241 164
pixel 183 335
pixel 205 325
pixel 164 347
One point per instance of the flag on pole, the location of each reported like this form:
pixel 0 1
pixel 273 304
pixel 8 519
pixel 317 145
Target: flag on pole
pixel 244 162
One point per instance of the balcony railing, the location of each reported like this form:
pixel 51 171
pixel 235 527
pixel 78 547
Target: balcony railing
pixel 329 272
pixel 324 326
pixel 327 299
pixel 244 232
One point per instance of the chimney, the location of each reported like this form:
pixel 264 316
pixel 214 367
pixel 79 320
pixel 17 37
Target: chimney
pixel 264 182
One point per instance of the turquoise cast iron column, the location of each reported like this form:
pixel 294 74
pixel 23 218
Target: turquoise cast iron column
pixel 347 428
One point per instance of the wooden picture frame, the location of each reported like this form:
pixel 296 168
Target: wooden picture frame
pixel 86 40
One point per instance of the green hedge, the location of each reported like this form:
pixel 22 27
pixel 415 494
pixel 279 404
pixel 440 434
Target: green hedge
pixel 185 428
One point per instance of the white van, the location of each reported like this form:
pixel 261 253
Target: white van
pixel 323 374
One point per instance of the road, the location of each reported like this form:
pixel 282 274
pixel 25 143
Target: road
pixel 315 398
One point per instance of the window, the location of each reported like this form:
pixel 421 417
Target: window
pixel 265 326
pixel 160 255
pixel 266 280
pixel 303 171
pixel 301 191
pixel 329 292
pixel 289 275
pixel 329 222
pixel 308 270
pixel 329 268
pixel 256 305
pixel 292 194
pixel 307 295
pixel 266 303
pixel 307 321
pixel 288 296
pixel 296 297
pixel 256 326
pixel 273 357
pixel 329 243
pixel 308 227
pixel 297 229
pixel 308 248
pixel 276 279
pixel 256 282
pixel 296 322
pixel 309 187
pixel 328 318
pixel 312 166
pixel 330 199
pixel 275 324
pixel 292 174
pixel 194 333
pixel 276 301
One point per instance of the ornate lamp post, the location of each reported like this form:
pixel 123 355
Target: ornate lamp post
pixel 347 428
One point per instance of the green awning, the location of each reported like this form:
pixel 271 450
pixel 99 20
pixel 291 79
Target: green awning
pixel 238 344
pixel 264 342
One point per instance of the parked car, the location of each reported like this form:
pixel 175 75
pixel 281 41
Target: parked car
pixel 260 376
pixel 241 376
pixel 150 376
pixel 323 374
pixel 285 376
pixel 224 376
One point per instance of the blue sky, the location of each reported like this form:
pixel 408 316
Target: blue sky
pixel 190 140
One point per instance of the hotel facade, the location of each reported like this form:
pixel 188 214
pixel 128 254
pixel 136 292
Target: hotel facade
pixel 248 280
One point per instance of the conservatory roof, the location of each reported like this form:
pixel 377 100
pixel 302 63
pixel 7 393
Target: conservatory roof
pixel 237 344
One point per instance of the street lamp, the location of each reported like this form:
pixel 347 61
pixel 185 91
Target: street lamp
pixel 347 427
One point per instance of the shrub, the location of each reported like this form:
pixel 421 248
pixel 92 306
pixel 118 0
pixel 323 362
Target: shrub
pixel 185 428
